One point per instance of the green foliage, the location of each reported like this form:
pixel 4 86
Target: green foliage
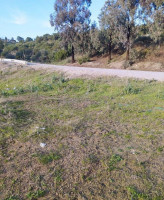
pixel 143 40
pixel 59 79
pixel 130 89
pixel 36 195
pixel 58 175
pixel 137 55
pixel 1 46
pixel 49 157
pixel 30 88
pixel 75 20
pixel 60 55
pixel 160 149
pixel 12 198
pixel 114 160
pixel 83 59
pixel 135 194
pixel 42 49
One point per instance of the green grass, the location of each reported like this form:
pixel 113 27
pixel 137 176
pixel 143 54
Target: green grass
pixel 104 137
pixel 114 160
pixel 48 158
pixel 36 195
pixel 135 194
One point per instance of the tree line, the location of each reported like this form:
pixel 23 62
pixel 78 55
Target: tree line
pixel 122 23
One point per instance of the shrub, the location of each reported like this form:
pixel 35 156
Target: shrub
pixel 83 59
pixel 60 55
pixel 137 55
pixel 126 64
pixel 144 40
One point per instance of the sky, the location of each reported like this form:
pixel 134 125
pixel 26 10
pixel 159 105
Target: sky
pixel 30 18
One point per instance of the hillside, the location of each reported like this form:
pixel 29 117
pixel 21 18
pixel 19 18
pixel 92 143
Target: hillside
pixel 144 55
pixel 79 139
pixel 153 60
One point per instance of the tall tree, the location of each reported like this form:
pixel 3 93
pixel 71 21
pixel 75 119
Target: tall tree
pixel 1 46
pixel 94 44
pixel 28 39
pixel 108 21
pixel 83 38
pixel 156 25
pixel 68 18
pixel 20 39
pixel 128 12
pixel 154 18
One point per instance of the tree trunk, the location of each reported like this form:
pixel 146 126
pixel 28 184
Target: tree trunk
pixel 110 48
pixel 128 45
pixel 83 43
pixel 73 54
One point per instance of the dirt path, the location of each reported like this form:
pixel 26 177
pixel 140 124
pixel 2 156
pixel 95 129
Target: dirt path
pixel 75 72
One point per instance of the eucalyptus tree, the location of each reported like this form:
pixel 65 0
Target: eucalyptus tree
pixel 68 19
pixel 94 44
pixel 28 39
pixel 20 39
pixel 108 19
pixel 154 18
pixel 151 3
pixel 83 38
pixel 156 25
pixel 1 46
pixel 129 13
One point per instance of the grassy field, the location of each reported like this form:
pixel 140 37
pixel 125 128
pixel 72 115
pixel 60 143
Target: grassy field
pixel 104 137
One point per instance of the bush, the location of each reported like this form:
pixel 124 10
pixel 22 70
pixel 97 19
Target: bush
pixel 83 59
pixel 60 55
pixel 142 40
pixel 126 64
pixel 137 56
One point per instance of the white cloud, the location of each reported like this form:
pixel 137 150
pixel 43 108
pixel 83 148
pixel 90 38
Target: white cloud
pixel 18 17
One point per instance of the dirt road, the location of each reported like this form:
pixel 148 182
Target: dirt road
pixel 75 72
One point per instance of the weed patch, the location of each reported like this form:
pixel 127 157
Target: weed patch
pixel 114 160
pixel 36 195
pixel 49 157
pixel 136 195
pixel 130 89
